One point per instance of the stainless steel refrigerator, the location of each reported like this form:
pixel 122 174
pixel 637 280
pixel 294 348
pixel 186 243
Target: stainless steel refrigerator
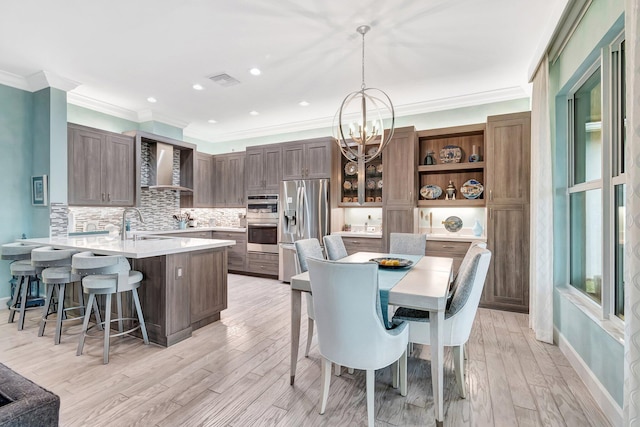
pixel 304 214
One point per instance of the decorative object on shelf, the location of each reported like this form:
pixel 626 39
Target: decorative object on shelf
pixel 354 185
pixel 430 192
pixel 471 189
pixel 428 159
pixel 378 199
pixel 359 120
pixel 379 184
pixel 452 224
pixel 451 191
pixel 371 184
pixel 351 168
pixel 371 169
pixel 369 199
pixel 475 156
pixel 477 229
pixel 450 154
pixel 347 185
pixel 346 199
pixel 379 168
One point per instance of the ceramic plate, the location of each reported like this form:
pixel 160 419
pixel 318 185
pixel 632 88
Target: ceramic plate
pixel 387 262
pixel 471 189
pixel 379 168
pixel 452 224
pixel 351 168
pixel 450 154
pixel 347 185
pixel 430 192
pixel 371 151
pixel 371 184
pixel 380 184
pixel 371 169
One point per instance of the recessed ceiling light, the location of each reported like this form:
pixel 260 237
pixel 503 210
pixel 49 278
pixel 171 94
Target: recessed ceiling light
pixel 212 121
pixel 255 71
pixel 303 103
pixel 254 113
pixel 152 99
pixel 198 87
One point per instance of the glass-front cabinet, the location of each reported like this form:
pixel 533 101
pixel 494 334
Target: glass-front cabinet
pixel 360 183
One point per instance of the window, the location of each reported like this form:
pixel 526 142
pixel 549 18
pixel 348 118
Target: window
pixel 596 190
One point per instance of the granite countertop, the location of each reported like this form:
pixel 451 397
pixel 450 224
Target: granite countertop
pixel 147 246
pixel 193 230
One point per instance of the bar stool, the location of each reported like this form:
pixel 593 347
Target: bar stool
pixel 55 266
pixel 108 275
pixel 20 254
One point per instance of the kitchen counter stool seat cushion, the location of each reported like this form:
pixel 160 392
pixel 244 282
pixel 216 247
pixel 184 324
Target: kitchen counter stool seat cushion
pixel 407 243
pixel 22 268
pixel 334 245
pixel 109 283
pixel 20 254
pixel 17 251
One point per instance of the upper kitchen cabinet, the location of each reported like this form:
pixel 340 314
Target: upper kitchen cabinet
pixel 452 156
pixel 263 169
pixel 102 168
pixel 357 184
pixel 203 194
pixel 400 168
pixel 309 159
pixel 508 154
pixel 228 180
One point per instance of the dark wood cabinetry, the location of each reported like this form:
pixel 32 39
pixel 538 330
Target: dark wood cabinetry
pixel 455 250
pixel 102 168
pixel 508 177
pixel 237 254
pixel 228 180
pixel 362 244
pixel 202 183
pixel 309 159
pixel 263 169
pixel 263 264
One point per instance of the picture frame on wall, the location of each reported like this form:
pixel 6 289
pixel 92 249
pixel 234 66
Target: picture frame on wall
pixel 39 193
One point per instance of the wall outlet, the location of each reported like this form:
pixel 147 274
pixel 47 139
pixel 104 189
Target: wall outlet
pixel 178 272
pixel 371 229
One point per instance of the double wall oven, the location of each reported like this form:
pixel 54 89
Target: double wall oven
pixel 262 223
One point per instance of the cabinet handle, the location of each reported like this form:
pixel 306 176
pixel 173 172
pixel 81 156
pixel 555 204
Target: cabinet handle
pixel 490 213
pixel 103 197
pixel 491 195
pixel 108 197
pixel 447 247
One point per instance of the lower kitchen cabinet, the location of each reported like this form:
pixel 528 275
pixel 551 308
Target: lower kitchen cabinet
pixel 190 234
pixel 238 253
pixel 362 244
pixel 455 250
pixel 262 263
pixel 207 301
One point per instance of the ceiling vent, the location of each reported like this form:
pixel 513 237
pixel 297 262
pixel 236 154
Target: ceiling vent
pixel 224 79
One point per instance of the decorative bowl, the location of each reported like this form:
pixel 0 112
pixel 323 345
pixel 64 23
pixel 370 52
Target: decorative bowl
pixel 471 189
pixel 430 192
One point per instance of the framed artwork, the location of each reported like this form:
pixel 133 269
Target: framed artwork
pixel 39 190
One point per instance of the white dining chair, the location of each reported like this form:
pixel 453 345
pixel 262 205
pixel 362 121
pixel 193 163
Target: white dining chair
pixel 459 315
pixel 407 243
pixel 334 246
pixel 308 248
pixel 351 331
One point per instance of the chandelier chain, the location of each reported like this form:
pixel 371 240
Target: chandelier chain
pixel 363 85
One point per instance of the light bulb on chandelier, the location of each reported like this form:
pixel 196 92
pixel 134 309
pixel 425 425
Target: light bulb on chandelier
pixel 358 124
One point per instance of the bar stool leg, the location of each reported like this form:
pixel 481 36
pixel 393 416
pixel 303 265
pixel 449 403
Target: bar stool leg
pixel 46 309
pixel 96 311
pixel 119 305
pixel 23 301
pixel 61 289
pixel 143 327
pixel 85 323
pixel 14 301
pixel 107 328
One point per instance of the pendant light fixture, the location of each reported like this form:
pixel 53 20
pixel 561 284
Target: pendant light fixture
pixel 358 124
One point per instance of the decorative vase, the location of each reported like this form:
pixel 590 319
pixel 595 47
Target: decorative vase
pixel 429 160
pixel 477 229
pixel 451 191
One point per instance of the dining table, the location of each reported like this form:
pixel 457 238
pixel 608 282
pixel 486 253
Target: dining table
pixel 424 285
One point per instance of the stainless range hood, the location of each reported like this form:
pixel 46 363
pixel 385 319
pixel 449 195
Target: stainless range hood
pixel 161 168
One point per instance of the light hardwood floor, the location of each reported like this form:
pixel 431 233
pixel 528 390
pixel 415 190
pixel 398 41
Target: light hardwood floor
pixel 235 372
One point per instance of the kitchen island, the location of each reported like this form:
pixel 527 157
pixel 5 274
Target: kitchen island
pixel 185 279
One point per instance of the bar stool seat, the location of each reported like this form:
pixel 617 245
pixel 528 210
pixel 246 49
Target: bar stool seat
pixel 20 254
pixel 108 275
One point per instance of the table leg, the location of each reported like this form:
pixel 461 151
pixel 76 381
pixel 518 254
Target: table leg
pixel 296 303
pixel 436 321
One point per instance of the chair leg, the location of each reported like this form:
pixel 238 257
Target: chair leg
pixel 309 336
pixel 351 370
pixel 46 309
pixel 458 363
pixel 23 300
pixel 119 307
pixel 61 289
pixel 85 323
pixel 143 327
pixel 14 301
pixel 338 369
pixel 465 350
pixel 394 374
pixel 403 374
pixel 107 328
pixel 371 387
pixel 325 382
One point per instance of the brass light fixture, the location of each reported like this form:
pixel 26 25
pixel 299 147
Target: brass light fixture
pixel 358 124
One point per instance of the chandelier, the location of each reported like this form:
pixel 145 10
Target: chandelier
pixel 358 124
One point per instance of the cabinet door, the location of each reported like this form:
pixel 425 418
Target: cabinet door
pixel 208 278
pixel 235 183
pixel 118 170
pixel 397 219
pixel 507 285
pixel 202 191
pixel 220 173
pixel 254 166
pixel 317 156
pixel 293 164
pixel 272 169
pixel 400 170
pixel 84 159
pixel 508 158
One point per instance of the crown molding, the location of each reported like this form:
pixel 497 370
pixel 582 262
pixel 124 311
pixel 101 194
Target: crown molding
pixel 37 81
pixel 101 107
pixel 14 80
pixel 149 115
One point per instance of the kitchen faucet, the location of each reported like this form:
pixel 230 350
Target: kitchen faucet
pixel 124 215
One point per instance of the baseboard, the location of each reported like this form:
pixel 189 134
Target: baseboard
pixel 3 303
pixel 609 407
